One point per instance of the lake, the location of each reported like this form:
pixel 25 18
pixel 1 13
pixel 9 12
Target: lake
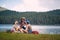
pixel 42 29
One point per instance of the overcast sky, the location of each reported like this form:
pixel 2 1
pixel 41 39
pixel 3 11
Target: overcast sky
pixel 30 5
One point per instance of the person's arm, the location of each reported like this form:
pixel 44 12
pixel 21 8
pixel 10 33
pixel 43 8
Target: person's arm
pixel 26 27
pixel 26 30
pixel 30 27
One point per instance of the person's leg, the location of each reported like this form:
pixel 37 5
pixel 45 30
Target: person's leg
pixel 21 30
pixel 25 31
pixel 16 29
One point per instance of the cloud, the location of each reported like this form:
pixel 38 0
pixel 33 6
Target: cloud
pixel 32 5
pixel 29 5
pixel 50 4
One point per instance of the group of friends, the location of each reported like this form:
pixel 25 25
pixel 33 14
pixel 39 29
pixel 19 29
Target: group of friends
pixel 24 26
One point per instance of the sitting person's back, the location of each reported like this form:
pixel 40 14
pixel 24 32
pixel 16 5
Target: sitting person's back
pixel 29 28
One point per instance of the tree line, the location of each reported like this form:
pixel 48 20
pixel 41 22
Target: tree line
pixel 35 18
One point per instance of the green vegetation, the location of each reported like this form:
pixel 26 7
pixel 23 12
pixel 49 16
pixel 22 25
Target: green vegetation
pixel 37 18
pixel 19 36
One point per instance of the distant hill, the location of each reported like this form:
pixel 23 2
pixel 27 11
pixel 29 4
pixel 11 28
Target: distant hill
pixel 37 18
pixel 2 9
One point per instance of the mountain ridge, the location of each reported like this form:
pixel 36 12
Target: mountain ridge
pixel 3 9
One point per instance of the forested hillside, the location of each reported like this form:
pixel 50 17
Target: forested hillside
pixel 37 18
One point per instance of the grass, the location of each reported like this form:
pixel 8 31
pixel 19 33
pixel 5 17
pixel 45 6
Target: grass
pixel 19 36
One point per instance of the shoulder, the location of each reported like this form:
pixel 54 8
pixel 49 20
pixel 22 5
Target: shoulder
pixel 29 25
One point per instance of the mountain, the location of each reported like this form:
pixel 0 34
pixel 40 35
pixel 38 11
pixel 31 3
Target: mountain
pixel 37 18
pixel 2 9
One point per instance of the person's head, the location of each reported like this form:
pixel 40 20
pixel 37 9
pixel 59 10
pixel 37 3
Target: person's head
pixel 28 22
pixel 23 19
pixel 16 22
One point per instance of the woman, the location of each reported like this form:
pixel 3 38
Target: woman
pixel 25 27
pixel 16 26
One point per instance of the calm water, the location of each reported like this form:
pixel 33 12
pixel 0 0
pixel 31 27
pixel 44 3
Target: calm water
pixel 42 29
